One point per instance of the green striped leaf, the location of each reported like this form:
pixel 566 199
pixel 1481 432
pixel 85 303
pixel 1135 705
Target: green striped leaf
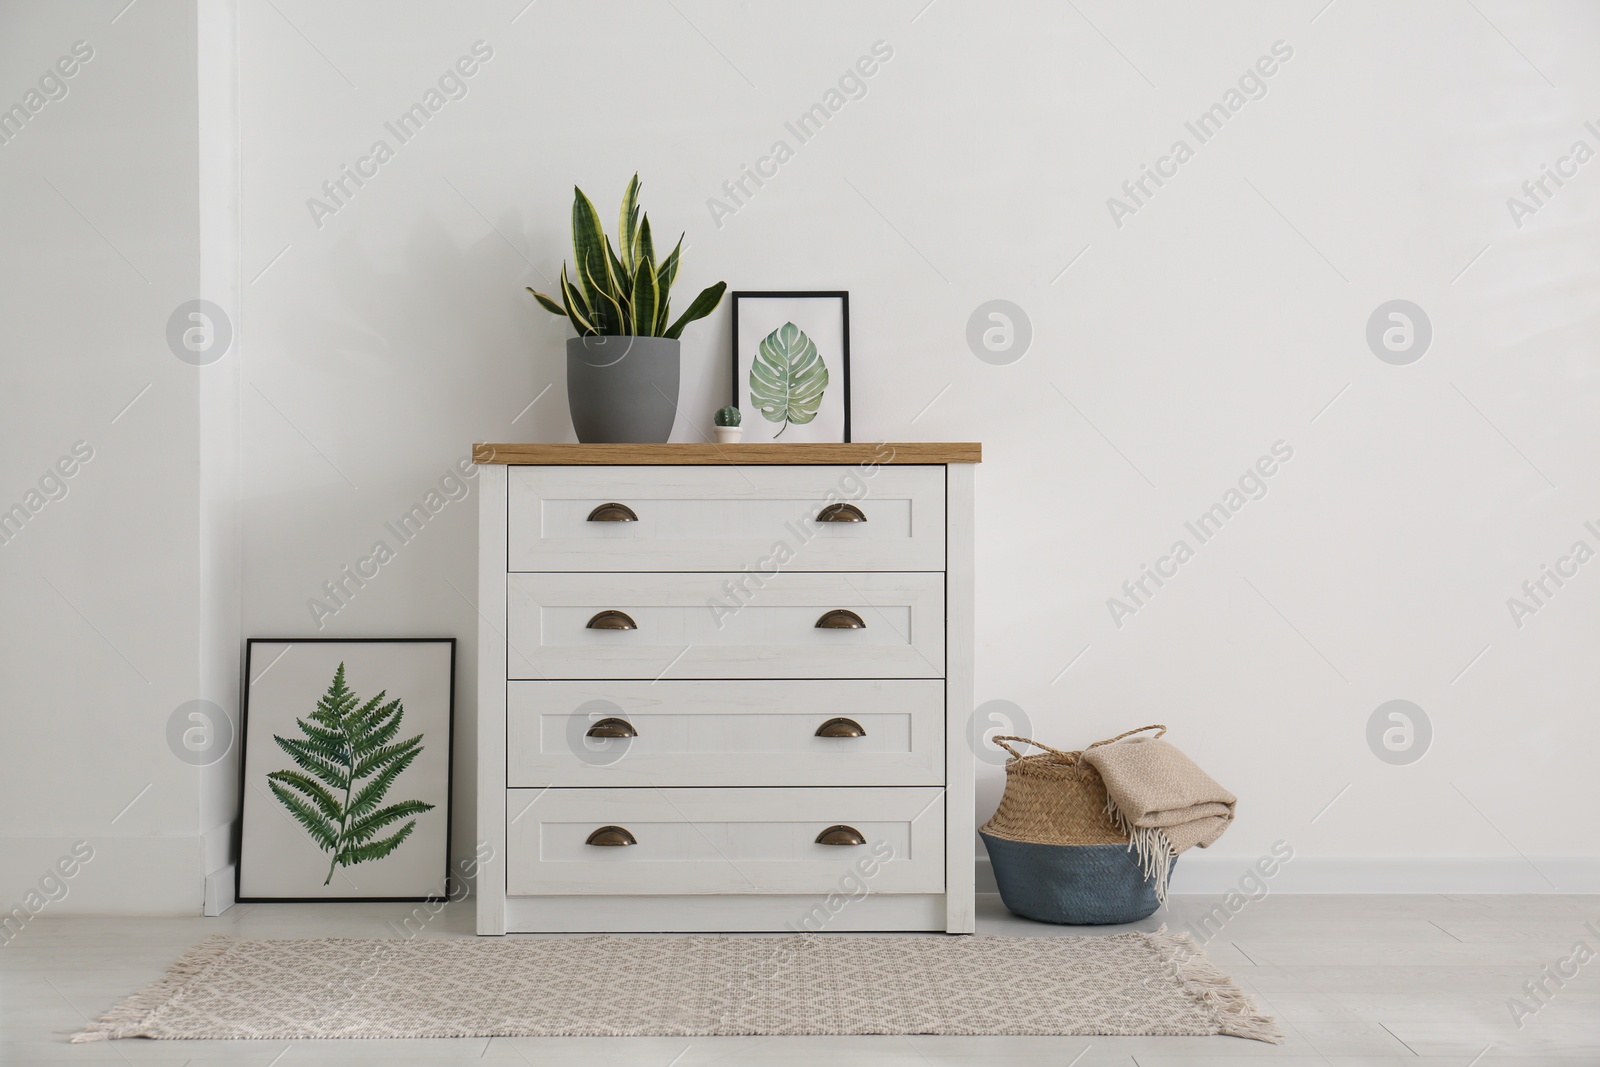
pixel 589 247
pixel 621 273
pixel 703 305
pixel 608 310
pixel 550 304
pixel 644 299
pixel 669 268
pixel 628 227
pixel 577 309
pixel 647 248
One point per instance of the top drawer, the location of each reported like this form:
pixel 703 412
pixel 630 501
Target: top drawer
pixel 725 518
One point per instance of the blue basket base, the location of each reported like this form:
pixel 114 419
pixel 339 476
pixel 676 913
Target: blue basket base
pixel 1076 885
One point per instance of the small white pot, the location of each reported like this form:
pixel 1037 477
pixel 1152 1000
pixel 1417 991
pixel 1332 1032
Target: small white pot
pixel 728 435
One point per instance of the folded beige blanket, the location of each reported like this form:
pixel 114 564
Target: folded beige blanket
pixel 1161 800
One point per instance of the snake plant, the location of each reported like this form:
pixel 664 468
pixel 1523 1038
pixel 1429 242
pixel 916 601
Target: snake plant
pixel 622 291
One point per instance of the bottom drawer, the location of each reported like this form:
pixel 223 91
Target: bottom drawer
pixel 741 840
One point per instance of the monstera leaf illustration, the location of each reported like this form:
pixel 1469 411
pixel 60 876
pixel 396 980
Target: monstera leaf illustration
pixel 788 377
pixel 347 741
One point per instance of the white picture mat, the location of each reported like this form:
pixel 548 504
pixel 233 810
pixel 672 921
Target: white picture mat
pixel 822 319
pixel 277 857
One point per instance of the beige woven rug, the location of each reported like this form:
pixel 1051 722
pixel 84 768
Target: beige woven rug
pixel 1123 984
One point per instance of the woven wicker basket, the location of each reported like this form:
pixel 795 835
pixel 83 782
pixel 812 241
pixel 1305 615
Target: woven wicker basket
pixel 1056 853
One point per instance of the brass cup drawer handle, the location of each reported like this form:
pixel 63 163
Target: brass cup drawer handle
pixel 611 835
pixel 613 513
pixel 841 835
pixel 841 619
pixel 611 727
pixel 612 620
pixel 841 728
pixel 841 513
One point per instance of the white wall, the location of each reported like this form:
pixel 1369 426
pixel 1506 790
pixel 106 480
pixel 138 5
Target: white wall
pixel 1226 314
pixel 100 631
pixel 1217 320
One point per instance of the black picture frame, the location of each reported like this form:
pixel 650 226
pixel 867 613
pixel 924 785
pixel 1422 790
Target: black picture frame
pixel 842 295
pixel 244 741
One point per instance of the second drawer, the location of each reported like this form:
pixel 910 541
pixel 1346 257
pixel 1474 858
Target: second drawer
pixel 726 733
pixel 739 625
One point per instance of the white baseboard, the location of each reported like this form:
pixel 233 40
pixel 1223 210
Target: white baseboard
pixel 163 875
pixel 217 847
pixel 220 886
pixel 1200 873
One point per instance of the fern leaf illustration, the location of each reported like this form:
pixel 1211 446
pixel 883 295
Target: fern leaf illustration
pixel 373 792
pixel 381 728
pixel 311 790
pixel 321 830
pixel 320 760
pixel 376 850
pixel 319 734
pixel 366 829
pixel 363 716
pixel 346 741
pixel 378 758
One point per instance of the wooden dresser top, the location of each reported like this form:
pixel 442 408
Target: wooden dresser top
pixel 676 454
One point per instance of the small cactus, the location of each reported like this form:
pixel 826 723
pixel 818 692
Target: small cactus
pixel 728 416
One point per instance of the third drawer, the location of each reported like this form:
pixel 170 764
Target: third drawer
pixel 822 732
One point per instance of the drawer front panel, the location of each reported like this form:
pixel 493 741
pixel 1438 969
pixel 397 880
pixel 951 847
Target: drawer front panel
pixel 692 841
pixel 726 733
pixel 725 626
pixel 725 518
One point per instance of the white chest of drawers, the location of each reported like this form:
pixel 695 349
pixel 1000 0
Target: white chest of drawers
pixel 725 688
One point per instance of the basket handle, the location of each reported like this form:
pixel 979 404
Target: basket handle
pixel 1130 733
pixel 1002 739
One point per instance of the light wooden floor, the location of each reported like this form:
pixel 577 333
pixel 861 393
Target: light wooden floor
pixel 1354 981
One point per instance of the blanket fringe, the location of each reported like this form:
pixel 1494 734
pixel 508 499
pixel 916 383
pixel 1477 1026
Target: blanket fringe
pixel 132 1016
pixel 1150 843
pixel 1238 1015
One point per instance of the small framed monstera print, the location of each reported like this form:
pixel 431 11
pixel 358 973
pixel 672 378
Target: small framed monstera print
pixel 791 365
pixel 346 769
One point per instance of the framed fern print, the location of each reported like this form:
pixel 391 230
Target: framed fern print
pixel 791 365
pixel 346 769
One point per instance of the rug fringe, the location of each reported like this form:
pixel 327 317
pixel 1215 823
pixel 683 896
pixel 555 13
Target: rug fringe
pixel 1238 1015
pixel 131 1017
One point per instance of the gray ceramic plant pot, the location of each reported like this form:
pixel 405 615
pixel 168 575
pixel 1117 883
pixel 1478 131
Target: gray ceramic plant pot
pixel 622 390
